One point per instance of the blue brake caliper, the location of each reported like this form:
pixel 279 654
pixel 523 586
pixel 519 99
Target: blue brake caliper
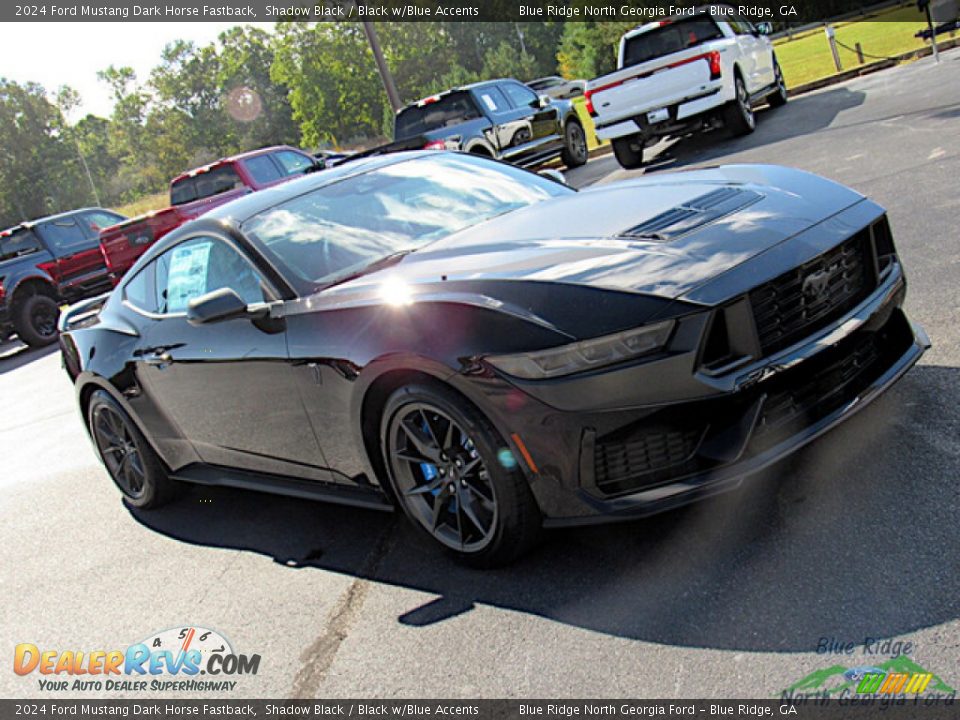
pixel 429 470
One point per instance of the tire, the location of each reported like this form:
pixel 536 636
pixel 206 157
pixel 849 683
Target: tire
pixel 35 320
pixel 127 456
pixel 629 151
pixel 738 114
pixel 574 153
pixel 778 98
pixel 454 477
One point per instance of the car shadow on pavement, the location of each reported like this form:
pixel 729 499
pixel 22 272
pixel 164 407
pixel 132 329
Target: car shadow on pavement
pixel 14 354
pixel 803 115
pixel 854 537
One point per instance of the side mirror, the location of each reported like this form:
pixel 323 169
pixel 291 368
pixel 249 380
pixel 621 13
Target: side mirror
pixel 222 304
pixel 764 28
pixel 543 100
pixel 555 175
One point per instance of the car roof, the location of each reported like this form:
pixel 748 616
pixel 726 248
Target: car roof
pixel 460 88
pixel 647 27
pixel 230 159
pixel 28 224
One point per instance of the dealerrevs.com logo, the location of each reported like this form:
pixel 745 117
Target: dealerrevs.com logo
pixel 190 659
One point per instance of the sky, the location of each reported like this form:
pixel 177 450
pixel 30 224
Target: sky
pixel 55 54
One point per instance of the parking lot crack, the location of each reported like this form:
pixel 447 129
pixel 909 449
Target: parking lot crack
pixel 319 656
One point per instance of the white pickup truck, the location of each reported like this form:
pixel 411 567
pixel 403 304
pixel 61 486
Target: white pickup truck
pixel 688 73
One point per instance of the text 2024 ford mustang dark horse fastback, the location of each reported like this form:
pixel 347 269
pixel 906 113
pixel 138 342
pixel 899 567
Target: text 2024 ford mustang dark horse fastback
pixel 490 350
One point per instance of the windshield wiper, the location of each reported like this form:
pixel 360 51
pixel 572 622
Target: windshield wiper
pixel 378 264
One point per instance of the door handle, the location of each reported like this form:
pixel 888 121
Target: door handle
pixel 159 359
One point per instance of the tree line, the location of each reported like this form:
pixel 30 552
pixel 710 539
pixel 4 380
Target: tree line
pixel 308 84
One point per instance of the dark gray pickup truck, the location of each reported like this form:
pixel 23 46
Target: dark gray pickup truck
pixel 503 119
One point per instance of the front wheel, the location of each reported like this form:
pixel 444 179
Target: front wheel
pixel 574 153
pixel 36 320
pixel 629 151
pixel 738 113
pixel 455 477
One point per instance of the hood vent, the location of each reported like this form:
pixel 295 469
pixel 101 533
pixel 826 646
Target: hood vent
pixel 693 214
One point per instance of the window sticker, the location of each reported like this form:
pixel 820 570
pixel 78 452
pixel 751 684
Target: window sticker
pixel 187 277
pixel 488 101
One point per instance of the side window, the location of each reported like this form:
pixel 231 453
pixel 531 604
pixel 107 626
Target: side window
pixel 17 244
pixel 139 291
pixel 741 27
pixel 492 99
pixel 64 236
pixel 97 220
pixel 520 96
pixel 293 163
pixel 262 168
pixel 201 265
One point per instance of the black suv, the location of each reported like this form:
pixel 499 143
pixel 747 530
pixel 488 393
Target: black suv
pixel 47 262
pixel 503 119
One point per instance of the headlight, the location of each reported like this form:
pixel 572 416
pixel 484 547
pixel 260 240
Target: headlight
pixel 585 355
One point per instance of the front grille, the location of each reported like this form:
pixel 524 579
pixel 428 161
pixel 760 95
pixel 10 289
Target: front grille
pixel 822 386
pixel 811 296
pixel 642 459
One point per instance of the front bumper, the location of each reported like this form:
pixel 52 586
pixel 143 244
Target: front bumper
pixel 677 436
pixel 747 437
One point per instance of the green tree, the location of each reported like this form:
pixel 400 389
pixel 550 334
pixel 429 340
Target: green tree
pixel 589 49
pixel 39 171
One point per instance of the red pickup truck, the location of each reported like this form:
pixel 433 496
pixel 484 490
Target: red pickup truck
pixel 198 191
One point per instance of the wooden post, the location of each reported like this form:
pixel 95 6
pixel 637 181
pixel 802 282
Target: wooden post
pixel 828 29
pixel 859 53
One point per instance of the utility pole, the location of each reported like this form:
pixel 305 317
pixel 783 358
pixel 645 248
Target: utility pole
pixel 93 187
pixel 385 75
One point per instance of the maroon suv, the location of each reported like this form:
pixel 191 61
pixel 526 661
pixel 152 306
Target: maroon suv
pixel 199 191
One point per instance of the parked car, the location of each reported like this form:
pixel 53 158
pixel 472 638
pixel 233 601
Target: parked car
pixel 489 350
pixel 557 87
pixel 198 191
pixel 683 75
pixel 502 119
pixel 329 158
pixel 45 263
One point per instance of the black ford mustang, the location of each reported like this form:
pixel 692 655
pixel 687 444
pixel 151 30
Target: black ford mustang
pixel 490 350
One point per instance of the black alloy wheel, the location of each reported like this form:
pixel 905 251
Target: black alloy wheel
pixel 132 463
pixel 35 320
pixel 455 477
pixel 443 479
pixel 119 451
pixel 575 151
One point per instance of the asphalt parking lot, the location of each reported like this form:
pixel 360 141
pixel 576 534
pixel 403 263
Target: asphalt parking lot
pixel 855 537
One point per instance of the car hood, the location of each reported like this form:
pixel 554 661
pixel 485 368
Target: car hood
pixel 662 235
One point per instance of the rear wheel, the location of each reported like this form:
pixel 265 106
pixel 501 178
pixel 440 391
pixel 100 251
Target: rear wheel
pixel 35 320
pixel 778 97
pixel 455 478
pixel 629 151
pixel 574 153
pixel 738 113
pixel 133 465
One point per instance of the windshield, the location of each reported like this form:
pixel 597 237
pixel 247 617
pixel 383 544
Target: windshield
pixel 452 109
pixel 668 39
pixel 339 229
